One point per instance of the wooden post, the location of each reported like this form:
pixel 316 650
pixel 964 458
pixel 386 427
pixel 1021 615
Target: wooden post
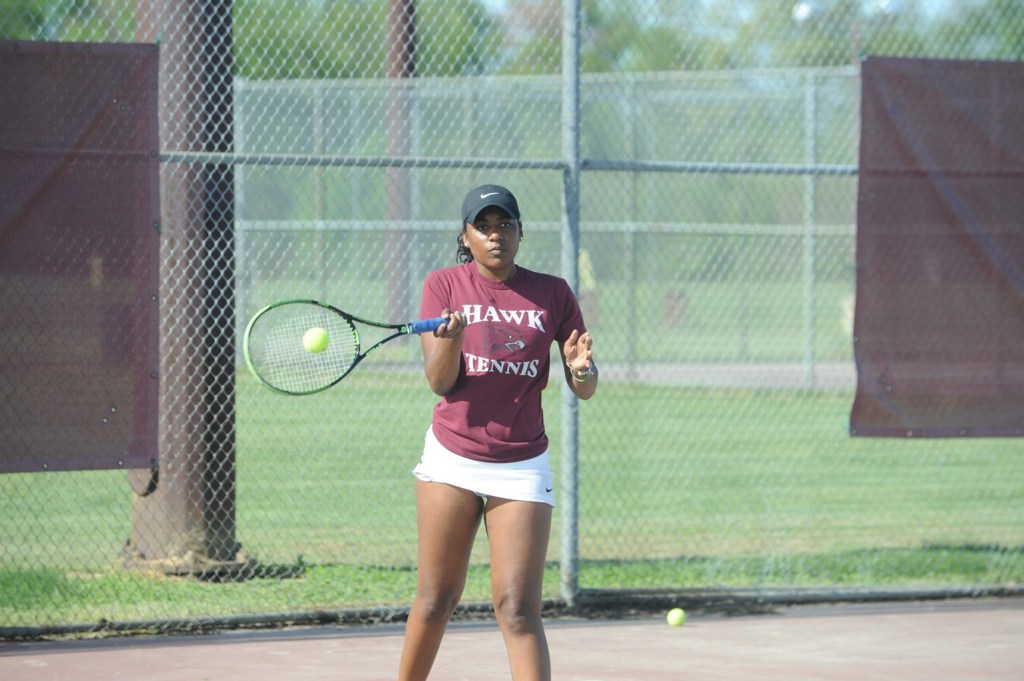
pixel 184 521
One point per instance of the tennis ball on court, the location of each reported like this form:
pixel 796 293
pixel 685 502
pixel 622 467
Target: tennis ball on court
pixel 315 340
pixel 676 617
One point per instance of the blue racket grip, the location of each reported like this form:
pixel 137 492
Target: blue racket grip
pixel 424 325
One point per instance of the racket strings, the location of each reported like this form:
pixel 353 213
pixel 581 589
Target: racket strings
pixel 279 357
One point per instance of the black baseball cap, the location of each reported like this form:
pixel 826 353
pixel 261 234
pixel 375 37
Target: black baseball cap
pixel 485 196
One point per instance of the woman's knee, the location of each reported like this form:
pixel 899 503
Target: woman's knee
pixel 437 604
pixel 517 616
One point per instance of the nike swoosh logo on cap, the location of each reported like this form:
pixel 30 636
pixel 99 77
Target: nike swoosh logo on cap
pixel 484 196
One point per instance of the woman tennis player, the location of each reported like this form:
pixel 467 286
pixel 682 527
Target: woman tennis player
pixel 486 453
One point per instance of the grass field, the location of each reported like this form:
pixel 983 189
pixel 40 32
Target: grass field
pixel 679 488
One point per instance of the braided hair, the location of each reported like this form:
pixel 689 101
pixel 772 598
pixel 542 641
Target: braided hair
pixel 462 252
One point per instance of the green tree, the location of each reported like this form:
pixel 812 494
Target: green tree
pixel 454 39
pixel 71 20
pixel 780 33
pixel 615 37
pixel 983 29
pixel 347 39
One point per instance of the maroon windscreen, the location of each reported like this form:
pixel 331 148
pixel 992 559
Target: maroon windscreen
pixel 79 256
pixel 939 323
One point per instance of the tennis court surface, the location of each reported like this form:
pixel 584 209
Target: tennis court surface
pixel 948 640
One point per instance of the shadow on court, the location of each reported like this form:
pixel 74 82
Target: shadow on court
pixel 949 640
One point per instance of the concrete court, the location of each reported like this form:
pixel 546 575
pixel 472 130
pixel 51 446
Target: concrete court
pixel 969 640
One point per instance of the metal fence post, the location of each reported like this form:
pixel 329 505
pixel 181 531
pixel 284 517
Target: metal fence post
pixel 570 269
pixel 810 181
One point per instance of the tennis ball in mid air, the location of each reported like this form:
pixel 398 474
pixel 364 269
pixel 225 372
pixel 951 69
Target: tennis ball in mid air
pixel 315 340
pixel 676 617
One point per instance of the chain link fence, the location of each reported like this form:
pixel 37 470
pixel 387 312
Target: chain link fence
pixel 321 149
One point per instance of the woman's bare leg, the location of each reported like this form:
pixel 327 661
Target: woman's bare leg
pixel 518 532
pixel 447 520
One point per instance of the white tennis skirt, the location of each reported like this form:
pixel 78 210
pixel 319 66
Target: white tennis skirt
pixel 529 480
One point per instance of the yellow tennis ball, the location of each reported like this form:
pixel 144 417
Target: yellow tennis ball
pixel 676 617
pixel 315 340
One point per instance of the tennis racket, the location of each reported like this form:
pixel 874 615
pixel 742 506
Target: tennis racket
pixel 276 341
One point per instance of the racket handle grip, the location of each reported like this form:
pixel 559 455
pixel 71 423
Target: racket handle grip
pixel 424 325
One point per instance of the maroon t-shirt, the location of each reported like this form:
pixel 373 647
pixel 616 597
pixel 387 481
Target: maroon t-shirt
pixel 493 412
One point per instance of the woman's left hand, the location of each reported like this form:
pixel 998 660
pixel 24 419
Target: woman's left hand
pixel 576 351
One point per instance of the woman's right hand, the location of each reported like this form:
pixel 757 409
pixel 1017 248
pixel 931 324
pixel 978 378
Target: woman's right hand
pixel 455 326
pixel 442 352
